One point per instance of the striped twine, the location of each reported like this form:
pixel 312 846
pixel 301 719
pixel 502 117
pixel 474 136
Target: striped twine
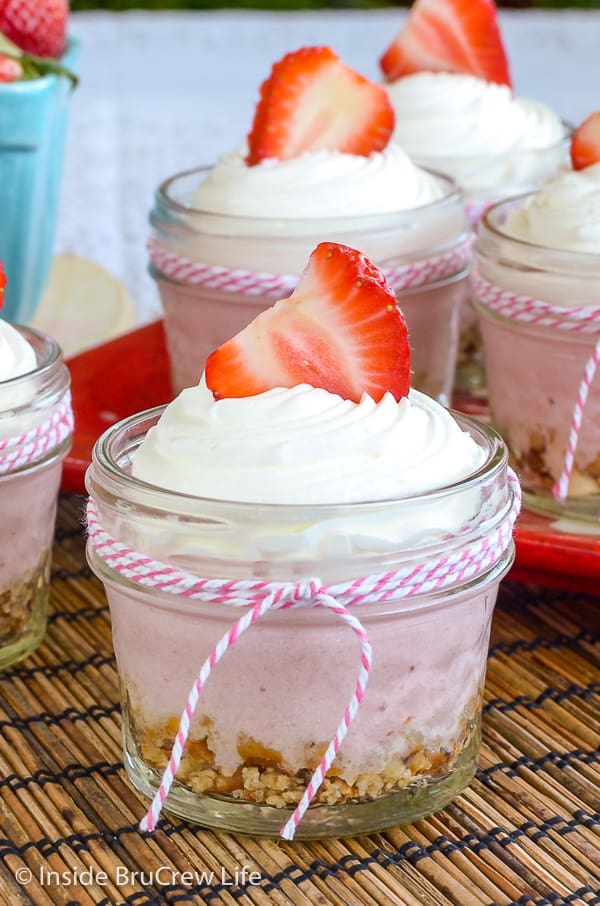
pixel 582 319
pixel 263 597
pixel 25 449
pixel 278 286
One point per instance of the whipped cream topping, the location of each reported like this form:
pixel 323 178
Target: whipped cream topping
pixel 564 214
pixel 321 184
pixel 308 447
pixel 17 357
pixel 455 114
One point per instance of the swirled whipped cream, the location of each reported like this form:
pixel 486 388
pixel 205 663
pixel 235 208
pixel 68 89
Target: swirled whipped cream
pixel 17 357
pixel 307 447
pixel 563 214
pixel 317 184
pixel 455 117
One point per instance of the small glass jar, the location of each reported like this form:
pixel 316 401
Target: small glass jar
pixel 28 496
pixel 534 372
pixel 272 704
pixel 484 180
pixel 199 318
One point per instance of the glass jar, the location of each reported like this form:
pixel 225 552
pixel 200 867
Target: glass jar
pixel 28 495
pixel 199 317
pixel 534 372
pixel 273 703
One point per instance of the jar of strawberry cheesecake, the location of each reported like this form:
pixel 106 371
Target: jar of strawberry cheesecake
pixel 449 81
pixel 35 435
pixel 305 572
pixel 538 297
pixel 229 240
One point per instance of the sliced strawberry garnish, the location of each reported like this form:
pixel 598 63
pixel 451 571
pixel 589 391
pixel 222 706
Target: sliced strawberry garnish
pixel 2 283
pixel 449 36
pixel 585 143
pixel 340 330
pixel 312 100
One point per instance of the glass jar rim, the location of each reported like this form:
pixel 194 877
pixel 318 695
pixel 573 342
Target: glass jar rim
pixel 52 357
pixel 156 498
pixel 163 195
pixel 489 229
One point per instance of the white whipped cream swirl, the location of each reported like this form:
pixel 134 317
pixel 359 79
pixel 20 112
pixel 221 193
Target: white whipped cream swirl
pixel 307 447
pixel 17 357
pixel 439 114
pixel 564 214
pixel 492 144
pixel 320 184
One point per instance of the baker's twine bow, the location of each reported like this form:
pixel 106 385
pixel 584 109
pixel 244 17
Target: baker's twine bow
pixel 581 319
pixel 278 286
pixel 262 597
pixel 32 446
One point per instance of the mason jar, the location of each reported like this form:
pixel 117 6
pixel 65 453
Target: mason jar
pixel 216 273
pixel 271 705
pixel 35 437
pixel 535 370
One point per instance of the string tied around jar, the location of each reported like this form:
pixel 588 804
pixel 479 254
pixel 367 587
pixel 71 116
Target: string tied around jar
pixel 31 446
pixel 581 318
pixel 260 597
pixel 278 286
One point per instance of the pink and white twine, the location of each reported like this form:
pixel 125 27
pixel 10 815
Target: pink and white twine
pixel 260 598
pixel 31 446
pixel 581 319
pixel 278 286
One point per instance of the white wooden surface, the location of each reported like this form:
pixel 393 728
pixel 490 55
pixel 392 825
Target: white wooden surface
pixel 161 92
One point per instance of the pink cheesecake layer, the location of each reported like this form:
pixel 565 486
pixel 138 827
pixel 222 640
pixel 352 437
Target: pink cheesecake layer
pixel 27 517
pixel 286 682
pixel 533 381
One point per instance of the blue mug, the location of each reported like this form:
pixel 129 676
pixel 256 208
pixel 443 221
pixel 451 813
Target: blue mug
pixel 33 128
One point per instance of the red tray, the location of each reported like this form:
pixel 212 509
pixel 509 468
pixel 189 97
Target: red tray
pixel 130 373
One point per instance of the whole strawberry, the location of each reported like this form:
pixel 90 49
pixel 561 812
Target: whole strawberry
pixel 38 27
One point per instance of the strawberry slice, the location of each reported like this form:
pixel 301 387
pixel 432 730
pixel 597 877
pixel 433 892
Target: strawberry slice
pixel 2 283
pixel 340 330
pixel 10 69
pixel 585 143
pixel 312 100
pixel 449 36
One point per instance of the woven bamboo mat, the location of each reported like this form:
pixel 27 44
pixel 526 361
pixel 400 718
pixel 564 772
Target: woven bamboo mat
pixel 526 832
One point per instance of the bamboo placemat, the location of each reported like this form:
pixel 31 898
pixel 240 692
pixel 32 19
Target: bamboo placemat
pixel 526 832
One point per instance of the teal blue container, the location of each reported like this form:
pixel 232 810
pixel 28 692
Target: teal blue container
pixel 33 129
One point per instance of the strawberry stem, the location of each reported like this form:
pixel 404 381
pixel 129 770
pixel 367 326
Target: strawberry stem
pixel 35 67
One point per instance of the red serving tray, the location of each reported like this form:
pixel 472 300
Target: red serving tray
pixel 129 374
